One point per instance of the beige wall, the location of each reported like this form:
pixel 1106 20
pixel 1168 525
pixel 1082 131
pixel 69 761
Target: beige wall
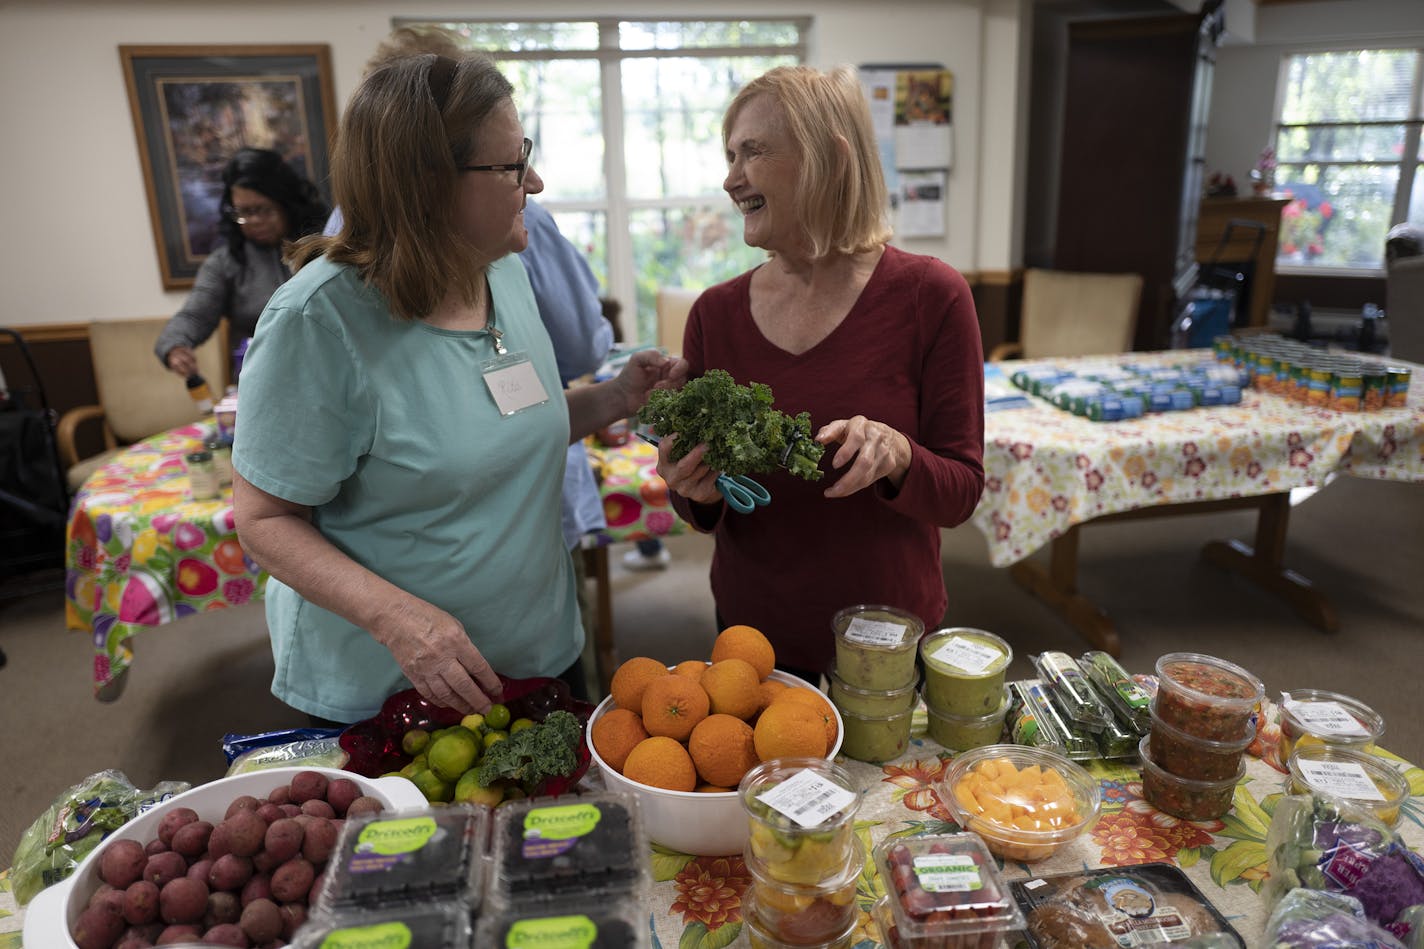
pixel 78 244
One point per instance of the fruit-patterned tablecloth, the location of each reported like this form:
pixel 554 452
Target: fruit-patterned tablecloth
pixel 635 497
pixel 1046 469
pixel 141 552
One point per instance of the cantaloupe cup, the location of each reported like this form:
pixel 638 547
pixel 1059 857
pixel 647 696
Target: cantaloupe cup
pixel 1025 802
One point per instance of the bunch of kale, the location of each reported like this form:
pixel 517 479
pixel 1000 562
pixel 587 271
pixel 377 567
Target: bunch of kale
pixel 743 433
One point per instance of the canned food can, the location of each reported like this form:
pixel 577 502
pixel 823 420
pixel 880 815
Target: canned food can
pixel 1374 388
pixel 1398 381
pixel 1318 392
pixel 202 476
pixel 1345 383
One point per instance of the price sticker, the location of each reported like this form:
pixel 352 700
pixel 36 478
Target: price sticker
pixel 1341 778
pixel 947 873
pixel 966 654
pixel 1326 718
pixel 808 798
pixel 875 633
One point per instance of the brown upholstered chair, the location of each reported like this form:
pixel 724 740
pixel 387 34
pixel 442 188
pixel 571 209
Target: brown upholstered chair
pixel 137 396
pixel 1074 314
pixel 673 306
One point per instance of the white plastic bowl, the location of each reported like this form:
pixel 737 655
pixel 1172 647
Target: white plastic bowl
pixel 703 824
pixel 53 912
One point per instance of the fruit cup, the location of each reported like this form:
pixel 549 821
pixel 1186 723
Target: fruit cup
pixel 875 646
pixel 801 914
pixel 964 670
pixel 1355 776
pixel 801 813
pixel 1315 717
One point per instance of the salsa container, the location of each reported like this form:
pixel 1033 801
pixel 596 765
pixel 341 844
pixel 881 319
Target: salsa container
pixel 1206 697
pixel 1187 756
pixel 1184 797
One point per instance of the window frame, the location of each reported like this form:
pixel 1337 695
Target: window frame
pixel 617 206
pixel 1410 163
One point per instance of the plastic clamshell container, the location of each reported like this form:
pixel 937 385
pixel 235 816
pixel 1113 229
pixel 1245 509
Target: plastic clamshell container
pixel 1005 818
pixel 703 824
pixel 849 698
pixel 408 856
pixel 962 732
pixel 51 914
pixel 801 913
pixel 945 890
pixel 1071 690
pixel 876 738
pixel 544 850
pixel 1390 787
pixel 1301 718
pixel 1185 797
pixel 423 925
pixel 1188 756
pixel 964 669
pixel 1205 696
pixel 588 923
pixel 811 849
pixel 875 645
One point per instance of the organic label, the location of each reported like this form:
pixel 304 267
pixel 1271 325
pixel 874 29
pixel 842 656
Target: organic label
pixel 381 936
pixel 1326 718
pixel 874 633
pixel 562 822
pixel 554 932
pixel 1341 778
pixel 947 873
pixel 391 837
pixel 808 798
pixel 973 657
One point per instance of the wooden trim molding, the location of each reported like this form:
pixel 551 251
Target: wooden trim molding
pixel 52 333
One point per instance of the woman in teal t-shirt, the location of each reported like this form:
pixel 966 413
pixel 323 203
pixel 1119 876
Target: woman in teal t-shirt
pixel 400 455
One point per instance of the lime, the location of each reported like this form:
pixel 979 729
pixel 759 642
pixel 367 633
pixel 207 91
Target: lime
pixel 414 741
pixel 432 786
pixel 452 754
pixel 468 791
pixel 475 722
pixel 519 724
pixel 497 716
pixel 418 763
pixel 491 738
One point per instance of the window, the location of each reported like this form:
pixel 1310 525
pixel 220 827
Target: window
pixel 1348 152
pixel 626 118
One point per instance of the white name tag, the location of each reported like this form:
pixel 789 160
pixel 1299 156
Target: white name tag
pixel 513 383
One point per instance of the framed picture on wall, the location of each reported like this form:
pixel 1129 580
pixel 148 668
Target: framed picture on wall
pixel 195 106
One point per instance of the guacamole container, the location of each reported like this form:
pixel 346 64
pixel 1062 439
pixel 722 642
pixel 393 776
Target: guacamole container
pixel 858 701
pixel 964 670
pixel 962 732
pixel 876 738
pixel 875 646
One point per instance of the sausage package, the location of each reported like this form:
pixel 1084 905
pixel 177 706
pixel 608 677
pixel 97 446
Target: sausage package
pixel 1114 907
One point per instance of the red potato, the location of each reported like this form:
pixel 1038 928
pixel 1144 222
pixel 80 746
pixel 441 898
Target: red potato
pixel 226 934
pixel 318 809
pixel 199 869
pixel 263 861
pixel 365 804
pixel 317 883
pixel 97 927
pixel 319 842
pixel 183 901
pixel 191 840
pixel 280 795
pixel 138 937
pixel 223 907
pixel 245 832
pixel 165 867
pixel 243 802
pixel 283 840
pixel 154 846
pixel 340 792
pixel 177 935
pixel 290 810
pixel 257 888
pixel 292 881
pixel 122 863
pixel 141 903
pixel 308 786
pixel 230 872
pixel 173 820
pixel 293 916
pixel 107 895
pixel 269 811
pixel 261 921
pixel 218 844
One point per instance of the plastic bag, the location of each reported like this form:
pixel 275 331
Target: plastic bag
pixel 1315 919
pixel 310 753
pixel 77 822
pixel 234 745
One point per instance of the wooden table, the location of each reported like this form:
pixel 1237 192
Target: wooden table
pixel 1048 473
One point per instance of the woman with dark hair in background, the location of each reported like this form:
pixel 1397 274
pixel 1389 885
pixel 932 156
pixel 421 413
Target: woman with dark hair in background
pixel 265 203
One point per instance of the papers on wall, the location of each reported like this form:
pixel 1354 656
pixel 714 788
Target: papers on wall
pixel 912 112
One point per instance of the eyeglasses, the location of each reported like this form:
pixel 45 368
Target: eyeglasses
pixel 249 214
pixel 520 168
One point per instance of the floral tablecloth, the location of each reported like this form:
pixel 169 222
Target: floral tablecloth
pixel 697 901
pixel 1046 470
pixel 141 552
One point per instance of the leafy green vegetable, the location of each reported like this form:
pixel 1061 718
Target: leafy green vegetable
pixel 744 434
pixel 546 750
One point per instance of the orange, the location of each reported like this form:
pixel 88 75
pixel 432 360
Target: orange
pixel 734 688
pixel 748 643
pixel 661 762
pixel 770 689
pixel 692 668
pixel 672 705
pixel 631 678
pixel 788 729
pixel 615 734
pixel 722 749
pixel 710 789
pixel 816 702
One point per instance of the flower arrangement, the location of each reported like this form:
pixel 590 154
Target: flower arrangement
pixel 1263 176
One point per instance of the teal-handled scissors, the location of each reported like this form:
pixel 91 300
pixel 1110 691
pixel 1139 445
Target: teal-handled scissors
pixel 742 494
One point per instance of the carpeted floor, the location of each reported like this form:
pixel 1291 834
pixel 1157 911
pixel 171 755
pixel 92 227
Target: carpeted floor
pixel 209 674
